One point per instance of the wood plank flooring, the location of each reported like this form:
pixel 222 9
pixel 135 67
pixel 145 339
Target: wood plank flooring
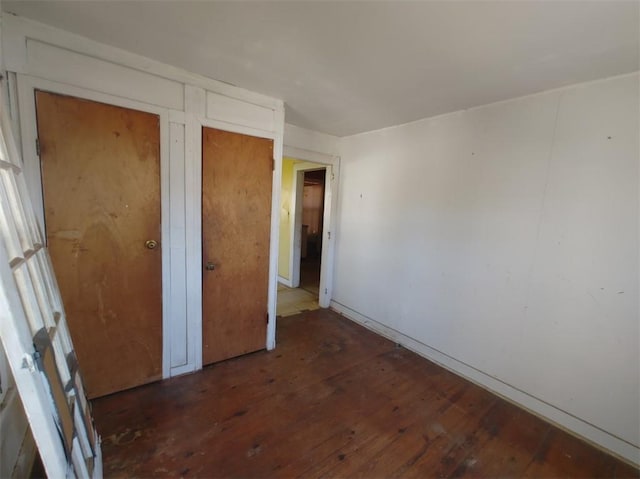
pixel 333 400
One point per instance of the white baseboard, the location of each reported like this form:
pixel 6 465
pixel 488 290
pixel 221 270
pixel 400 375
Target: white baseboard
pixel 574 425
pixel 285 281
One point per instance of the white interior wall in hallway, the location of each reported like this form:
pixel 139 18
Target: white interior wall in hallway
pixel 502 242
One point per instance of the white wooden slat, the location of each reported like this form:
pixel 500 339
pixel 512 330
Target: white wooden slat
pixel 195 99
pixel 83 439
pixel 276 188
pixel 64 336
pixel 6 165
pixel 56 343
pixel 48 282
pixel 178 304
pixel 6 379
pixel 78 459
pixel 19 217
pixel 97 463
pixel 82 397
pixel 9 146
pixel 8 229
pixel 40 291
pixel 28 136
pixel 37 238
pixel 4 154
pixel 62 404
pixel 11 121
pixel 166 232
pixel 16 338
pixel 28 298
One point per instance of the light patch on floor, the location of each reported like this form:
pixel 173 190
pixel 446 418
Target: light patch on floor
pixel 295 300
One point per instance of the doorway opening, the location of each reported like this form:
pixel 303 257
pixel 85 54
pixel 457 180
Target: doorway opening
pixel 311 232
pixel 304 232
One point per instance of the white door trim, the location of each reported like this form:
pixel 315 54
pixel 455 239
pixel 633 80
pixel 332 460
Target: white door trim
pixel 27 85
pixel 314 161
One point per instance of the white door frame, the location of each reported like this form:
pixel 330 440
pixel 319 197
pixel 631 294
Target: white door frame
pixel 27 85
pixel 314 161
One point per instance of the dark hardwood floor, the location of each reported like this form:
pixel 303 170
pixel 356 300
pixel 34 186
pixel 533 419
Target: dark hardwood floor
pixel 333 400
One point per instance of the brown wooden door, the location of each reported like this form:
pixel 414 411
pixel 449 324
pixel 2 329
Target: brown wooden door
pixel 236 222
pixel 101 185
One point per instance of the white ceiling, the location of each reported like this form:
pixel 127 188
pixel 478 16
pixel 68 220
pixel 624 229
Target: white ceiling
pixel 349 67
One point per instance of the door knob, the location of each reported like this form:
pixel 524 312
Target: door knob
pixel 151 244
pixel 210 266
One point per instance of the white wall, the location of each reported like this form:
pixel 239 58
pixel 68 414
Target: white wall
pixel 310 141
pixel 503 242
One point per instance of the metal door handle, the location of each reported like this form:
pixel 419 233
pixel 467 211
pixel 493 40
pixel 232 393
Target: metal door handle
pixel 151 244
pixel 210 266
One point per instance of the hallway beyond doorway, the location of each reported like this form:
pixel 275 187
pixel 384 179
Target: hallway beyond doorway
pixel 295 300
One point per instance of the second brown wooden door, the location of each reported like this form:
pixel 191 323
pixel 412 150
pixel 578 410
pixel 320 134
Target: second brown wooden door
pixel 236 222
pixel 101 186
